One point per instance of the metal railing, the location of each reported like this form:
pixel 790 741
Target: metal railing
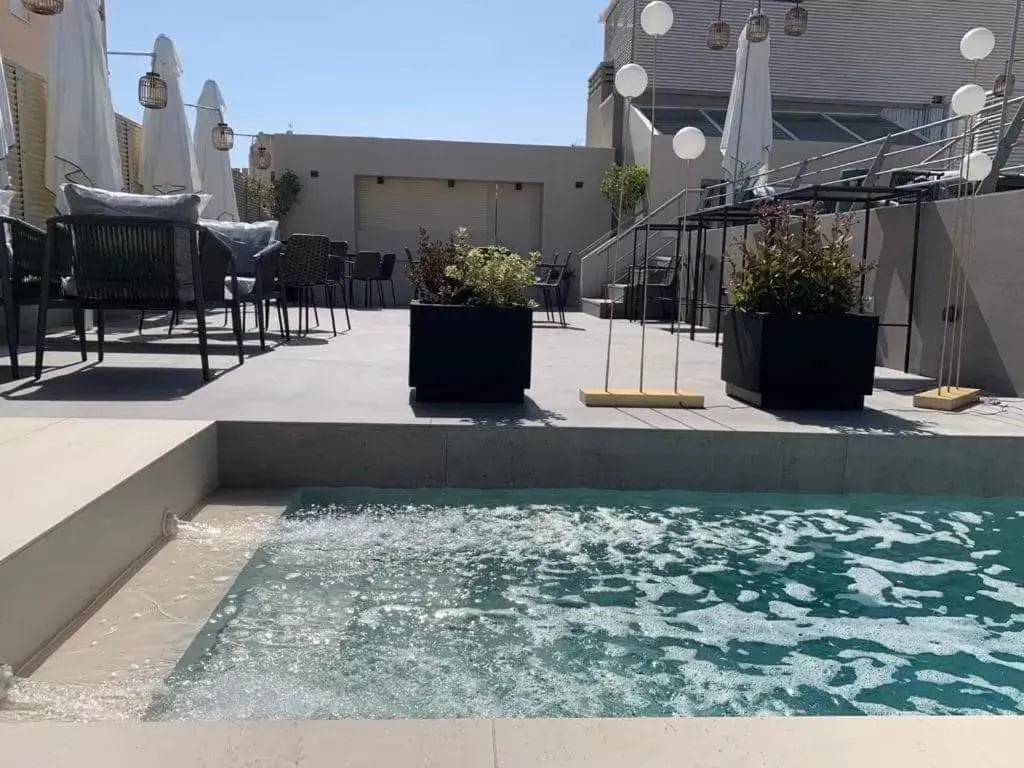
pixel 923 156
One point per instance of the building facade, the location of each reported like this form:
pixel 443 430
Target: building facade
pixel 894 53
pixel 23 36
pixel 24 45
pixel 377 193
pixel 863 70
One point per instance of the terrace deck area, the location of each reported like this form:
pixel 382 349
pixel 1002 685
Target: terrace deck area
pixel 360 377
pixel 337 411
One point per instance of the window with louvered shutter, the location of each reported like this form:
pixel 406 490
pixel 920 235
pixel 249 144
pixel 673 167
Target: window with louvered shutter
pixel 30 95
pixel 405 205
pixel 14 160
pixel 129 141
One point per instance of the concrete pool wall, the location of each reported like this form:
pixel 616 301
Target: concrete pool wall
pixel 83 507
pixel 84 500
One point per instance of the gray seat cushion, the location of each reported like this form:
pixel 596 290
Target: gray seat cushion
pixel 176 209
pixel 244 240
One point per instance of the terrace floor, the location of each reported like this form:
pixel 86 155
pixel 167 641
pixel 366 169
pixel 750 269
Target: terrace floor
pixel 360 377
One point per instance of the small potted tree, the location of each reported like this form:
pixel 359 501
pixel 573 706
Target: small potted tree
pixel 471 330
pixel 796 337
pixel 624 187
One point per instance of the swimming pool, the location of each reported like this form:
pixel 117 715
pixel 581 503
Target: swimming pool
pixel 374 604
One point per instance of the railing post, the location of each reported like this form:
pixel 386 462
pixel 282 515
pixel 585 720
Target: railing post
pixel 877 163
pixel 800 172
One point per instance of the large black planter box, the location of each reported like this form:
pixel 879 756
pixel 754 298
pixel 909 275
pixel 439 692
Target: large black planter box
pixel 792 361
pixel 470 354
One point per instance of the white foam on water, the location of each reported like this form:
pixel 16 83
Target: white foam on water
pixel 456 610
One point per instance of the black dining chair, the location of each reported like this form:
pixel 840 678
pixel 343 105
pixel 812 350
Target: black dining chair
pixel 365 269
pixel 303 268
pixel 386 274
pixel 550 284
pixel 337 272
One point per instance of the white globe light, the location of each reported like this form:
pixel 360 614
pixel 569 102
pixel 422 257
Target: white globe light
pixel 976 166
pixel 631 81
pixel 969 99
pixel 689 143
pixel 657 18
pixel 977 44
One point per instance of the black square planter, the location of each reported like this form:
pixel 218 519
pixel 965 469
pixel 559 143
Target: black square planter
pixel 467 354
pixel 799 362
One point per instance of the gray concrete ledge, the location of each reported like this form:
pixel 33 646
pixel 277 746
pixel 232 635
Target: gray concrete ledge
pixel 910 742
pixel 275 455
pixel 84 505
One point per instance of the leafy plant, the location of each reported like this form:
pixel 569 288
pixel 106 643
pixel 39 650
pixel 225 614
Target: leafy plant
pixel 285 191
pixel 429 273
pixel 495 276
pixel 625 184
pixel 452 271
pixel 796 265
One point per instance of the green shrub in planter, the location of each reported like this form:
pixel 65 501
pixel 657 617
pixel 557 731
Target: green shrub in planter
pixel 792 339
pixel 471 332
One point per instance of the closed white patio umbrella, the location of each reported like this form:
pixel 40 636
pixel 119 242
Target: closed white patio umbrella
pixel 168 164
pixel 81 138
pixel 214 164
pixel 748 133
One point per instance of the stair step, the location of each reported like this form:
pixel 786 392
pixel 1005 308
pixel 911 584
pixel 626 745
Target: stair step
pixel 602 307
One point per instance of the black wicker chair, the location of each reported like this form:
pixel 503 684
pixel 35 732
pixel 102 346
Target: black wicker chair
pixel 385 274
pixel 661 281
pixel 259 289
pixel 365 269
pixel 337 275
pixel 549 283
pixel 137 264
pixel 304 267
pixel 21 269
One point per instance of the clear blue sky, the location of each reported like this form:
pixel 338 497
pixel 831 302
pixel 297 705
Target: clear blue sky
pixel 475 70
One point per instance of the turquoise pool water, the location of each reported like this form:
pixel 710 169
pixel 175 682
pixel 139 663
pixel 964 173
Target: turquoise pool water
pixel 379 604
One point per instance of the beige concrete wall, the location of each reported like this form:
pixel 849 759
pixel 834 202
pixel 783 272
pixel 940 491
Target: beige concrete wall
pixel 24 41
pixel 993 355
pixel 571 217
pixel 600 121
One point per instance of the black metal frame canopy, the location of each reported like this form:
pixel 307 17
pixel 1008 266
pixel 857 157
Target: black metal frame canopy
pixel 746 214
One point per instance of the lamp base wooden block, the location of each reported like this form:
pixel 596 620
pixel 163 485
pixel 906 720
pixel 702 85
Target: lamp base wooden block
pixel 947 398
pixel 634 398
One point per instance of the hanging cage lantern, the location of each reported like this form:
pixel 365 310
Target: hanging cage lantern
pixel 44 7
pixel 262 158
pixel 999 88
pixel 796 21
pixel 152 91
pixel 758 27
pixel 718 35
pixel 223 137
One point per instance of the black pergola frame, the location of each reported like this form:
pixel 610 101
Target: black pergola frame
pixel 745 214
pixel 870 196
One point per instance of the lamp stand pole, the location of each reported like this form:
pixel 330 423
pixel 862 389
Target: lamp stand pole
pixel 650 207
pixel 608 262
pixel 679 272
